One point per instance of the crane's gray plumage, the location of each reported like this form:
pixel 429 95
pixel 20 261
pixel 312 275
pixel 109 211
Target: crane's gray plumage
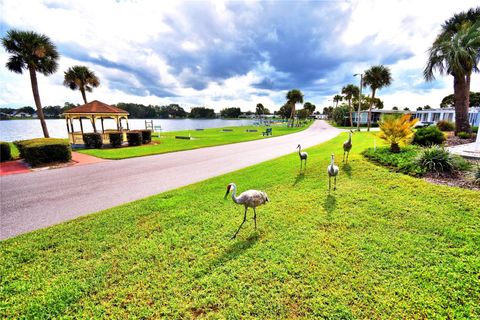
pixel 332 171
pixel 250 199
pixel 347 146
pixel 303 156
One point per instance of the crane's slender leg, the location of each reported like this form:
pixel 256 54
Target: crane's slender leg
pixel 244 219
pixel 348 155
pixel 329 183
pixel 300 164
pixel 255 217
pixel 305 163
pixel 343 160
pixel 334 183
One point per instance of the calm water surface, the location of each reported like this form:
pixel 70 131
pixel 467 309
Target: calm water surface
pixel 11 130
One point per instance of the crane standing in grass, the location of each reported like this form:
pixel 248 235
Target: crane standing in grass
pixel 303 156
pixel 332 171
pixel 250 199
pixel 347 146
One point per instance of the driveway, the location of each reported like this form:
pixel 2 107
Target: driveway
pixel 44 198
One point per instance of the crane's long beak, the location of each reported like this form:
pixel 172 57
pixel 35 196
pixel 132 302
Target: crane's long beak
pixel 226 194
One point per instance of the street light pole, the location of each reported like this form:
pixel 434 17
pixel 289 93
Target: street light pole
pixel 359 99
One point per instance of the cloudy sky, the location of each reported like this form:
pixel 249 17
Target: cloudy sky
pixel 231 54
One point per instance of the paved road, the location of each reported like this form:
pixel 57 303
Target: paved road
pixel 39 199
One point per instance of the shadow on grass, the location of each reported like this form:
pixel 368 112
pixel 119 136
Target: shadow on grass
pixel 330 203
pixel 236 249
pixel 299 178
pixel 347 169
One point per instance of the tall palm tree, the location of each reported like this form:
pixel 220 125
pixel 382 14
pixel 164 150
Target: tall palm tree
pixel 456 51
pixel 337 98
pixel 350 91
pixel 35 52
pixel 376 78
pixel 294 96
pixel 81 78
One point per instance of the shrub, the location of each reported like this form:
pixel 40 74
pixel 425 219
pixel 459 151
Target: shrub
pixel 5 152
pixel 428 136
pixel 21 144
pixel 47 150
pixel 403 161
pixel 134 138
pixel 475 129
pixel 463 135
pixel 438 160
pixel 341 115
pixel 146 136
pixel 445 125
pixel 116 139
pixel 397 130
pixel 92 140
pixel 476 175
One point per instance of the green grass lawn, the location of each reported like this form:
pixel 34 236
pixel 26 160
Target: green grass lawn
pixel 384 245
pixel 206 138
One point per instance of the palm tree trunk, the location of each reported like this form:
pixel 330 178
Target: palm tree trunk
pixel 84 96
pixel 38 103
pixel 350 112
pixel 370 110
pixel 292 115
pixel 461 93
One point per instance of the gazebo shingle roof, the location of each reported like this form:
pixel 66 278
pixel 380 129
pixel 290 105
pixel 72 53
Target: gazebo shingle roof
pixel 96 106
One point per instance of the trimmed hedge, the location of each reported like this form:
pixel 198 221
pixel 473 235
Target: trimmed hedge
pixel 116 139
pixel 463 135
pixel 134 138
pixel 44 150
pixel 146 136
pixel 92 140
pixel 428 136
pixel 5 152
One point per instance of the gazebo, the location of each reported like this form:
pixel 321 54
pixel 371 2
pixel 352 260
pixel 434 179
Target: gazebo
pixel 94 111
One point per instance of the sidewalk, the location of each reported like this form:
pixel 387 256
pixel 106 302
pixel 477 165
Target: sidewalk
pixel 20 166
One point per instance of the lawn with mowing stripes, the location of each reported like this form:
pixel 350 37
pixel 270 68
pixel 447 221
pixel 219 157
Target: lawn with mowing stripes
pixel 383 245
pixel 200 139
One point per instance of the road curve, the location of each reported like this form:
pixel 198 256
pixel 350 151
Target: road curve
pixel 39 199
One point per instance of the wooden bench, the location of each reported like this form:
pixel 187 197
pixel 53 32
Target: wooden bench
pixel 251 130
pixel 267 132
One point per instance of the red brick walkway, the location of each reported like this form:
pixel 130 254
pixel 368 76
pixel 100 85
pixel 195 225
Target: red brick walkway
pixel 18 166
pixel 13 167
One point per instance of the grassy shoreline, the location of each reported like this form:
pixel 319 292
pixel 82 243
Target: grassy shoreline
pixel 384 245
pixel 201 139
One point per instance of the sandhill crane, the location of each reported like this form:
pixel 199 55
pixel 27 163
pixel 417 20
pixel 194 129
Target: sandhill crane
pixel 332 170
pixel 347 146
pixel 250 199
pixel 303 156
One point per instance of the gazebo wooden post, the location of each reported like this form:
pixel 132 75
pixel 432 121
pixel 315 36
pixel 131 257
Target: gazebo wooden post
pixel 118 124
pixel 71 125
pixel 81 125
pixel 93 123
pixel 126 120
pixel 103 129
pixel 68 129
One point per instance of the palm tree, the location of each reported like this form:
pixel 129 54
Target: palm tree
pixel 456 51
pixel 294 96
pixel 337 99
pixel 350 91
pixel 35 52
pixel 376 78
pixel 81 78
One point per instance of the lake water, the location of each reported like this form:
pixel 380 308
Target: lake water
pixel 11 130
